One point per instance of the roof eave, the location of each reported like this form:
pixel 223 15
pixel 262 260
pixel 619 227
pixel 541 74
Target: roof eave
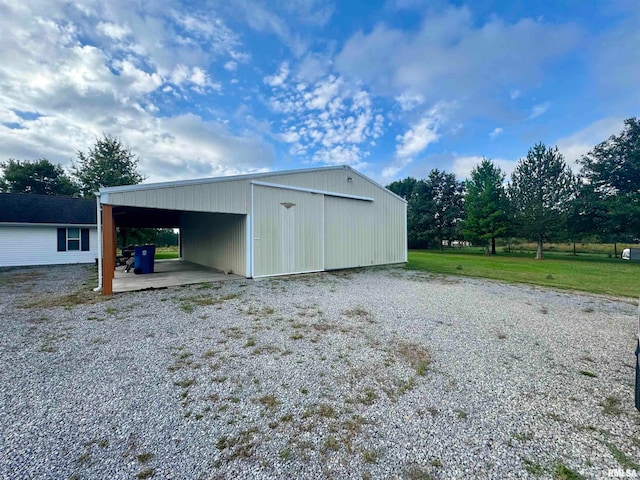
pixel 200 181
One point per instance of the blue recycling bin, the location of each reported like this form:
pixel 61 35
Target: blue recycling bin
pixel 143 258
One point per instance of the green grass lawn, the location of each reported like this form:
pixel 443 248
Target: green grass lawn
pixel 595 273
pixel 166 252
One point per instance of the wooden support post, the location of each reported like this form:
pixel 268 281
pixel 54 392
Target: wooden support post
pixel 108 249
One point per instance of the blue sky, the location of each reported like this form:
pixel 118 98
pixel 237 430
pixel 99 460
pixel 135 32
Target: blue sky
pixel 393 88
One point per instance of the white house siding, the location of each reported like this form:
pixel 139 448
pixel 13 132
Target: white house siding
pixel 38 245
pixel 287 231
pixel 215 240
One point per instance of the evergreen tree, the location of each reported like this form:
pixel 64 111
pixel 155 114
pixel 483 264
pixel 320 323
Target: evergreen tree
pixel 485 205
pixel 107 164
pixel 414 192
pixel 612 171
pixel 446 209
pixel 541 189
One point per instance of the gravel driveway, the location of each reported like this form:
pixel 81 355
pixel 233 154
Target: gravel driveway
pixel 381 373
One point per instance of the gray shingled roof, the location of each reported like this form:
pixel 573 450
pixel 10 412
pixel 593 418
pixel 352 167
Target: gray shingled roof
pixel 32 208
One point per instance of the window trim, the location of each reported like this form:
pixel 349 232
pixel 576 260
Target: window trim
pixel 82 239
pixel 75 239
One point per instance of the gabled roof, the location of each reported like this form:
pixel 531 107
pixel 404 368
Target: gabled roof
pixel 200 181
pixel 251 176
pixel 46 209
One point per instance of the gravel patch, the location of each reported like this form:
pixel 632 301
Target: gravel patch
pixel 379 373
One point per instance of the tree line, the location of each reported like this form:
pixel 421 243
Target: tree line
pixel 108 163
pixel 543 201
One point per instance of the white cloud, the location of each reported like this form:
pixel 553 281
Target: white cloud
pixel 341 155
pixel 197 147
pixel 615 62
pixel 413 142
pixel 539 109
pixel 327 121
pixel 290 136
pixel 9 116
pixel 417 138
pixel 409 101
pixel 231 66
pixel 313 67
pixel 113 30
pixel 513 94
pixel 462 166
pixel 195 78
pixel 577 144
pixel 212 31
pixel 325 95
pixel 75 92
pixel 308 12
pixel 137 80
pixel 451 56
pixel 199 77
pixel 496 132
pixel 262 19
pixel 201 81
pixel 279 78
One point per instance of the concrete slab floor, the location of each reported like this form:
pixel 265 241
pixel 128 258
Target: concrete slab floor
pixel 168 273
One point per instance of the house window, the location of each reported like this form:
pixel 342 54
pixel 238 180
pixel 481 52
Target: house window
pixel 73 239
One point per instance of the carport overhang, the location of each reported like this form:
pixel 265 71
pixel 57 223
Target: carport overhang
pixel 111 217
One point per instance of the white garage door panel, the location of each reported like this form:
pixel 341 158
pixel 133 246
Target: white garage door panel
pixel 349 233
pixel 287 231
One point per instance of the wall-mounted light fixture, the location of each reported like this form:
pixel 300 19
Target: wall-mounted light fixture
pixel 350 179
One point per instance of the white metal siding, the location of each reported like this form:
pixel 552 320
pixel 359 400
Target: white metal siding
pixel 215 240
pixel 349 233
pixel 358 233
pixel 336 180
pixel 288 231
pixel 38 245
pixel 222 197
pixel 361 233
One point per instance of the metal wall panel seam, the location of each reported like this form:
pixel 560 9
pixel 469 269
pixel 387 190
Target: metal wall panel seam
pixel 324 219
pixel 406 239
pixel 247 240
pixel 251 246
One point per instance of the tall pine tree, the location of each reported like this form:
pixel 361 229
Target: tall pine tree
pixel 107 164
pixel 485 205
pixel 541 189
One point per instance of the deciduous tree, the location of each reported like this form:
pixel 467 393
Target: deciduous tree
pixel 38 176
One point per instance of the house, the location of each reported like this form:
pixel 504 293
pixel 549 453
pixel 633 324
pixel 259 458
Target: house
pixel 47 230
pixel 265 224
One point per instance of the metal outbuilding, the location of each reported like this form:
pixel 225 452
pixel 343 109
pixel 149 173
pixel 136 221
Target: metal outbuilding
pixel 265 224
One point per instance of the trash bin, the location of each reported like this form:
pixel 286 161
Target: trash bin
pixel 143 258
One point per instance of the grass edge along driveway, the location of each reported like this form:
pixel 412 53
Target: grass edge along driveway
pixel 583 273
